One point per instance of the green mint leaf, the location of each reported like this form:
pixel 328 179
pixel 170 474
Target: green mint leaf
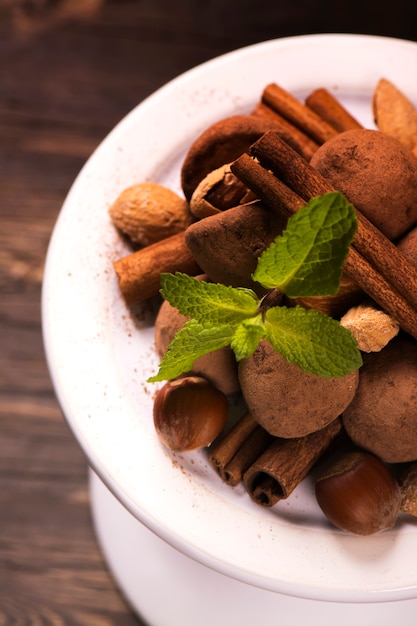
pixel 192 341
pixel 208 303
pixel 307 259
pixel 312 340
pixel 247 336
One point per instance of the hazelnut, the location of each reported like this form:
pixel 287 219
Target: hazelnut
pixel 189 413
pixel 358 493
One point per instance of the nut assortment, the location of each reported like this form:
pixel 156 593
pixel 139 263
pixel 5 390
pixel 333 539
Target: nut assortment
pixel 241 180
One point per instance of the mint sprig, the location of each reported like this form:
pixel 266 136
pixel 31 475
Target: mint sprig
pixel 306 260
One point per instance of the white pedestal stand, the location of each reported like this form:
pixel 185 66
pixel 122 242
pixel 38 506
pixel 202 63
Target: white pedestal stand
pixel 159 583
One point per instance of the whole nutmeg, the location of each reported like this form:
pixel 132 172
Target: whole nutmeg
pixel 189 413
pixel 358 493
pixel 148 212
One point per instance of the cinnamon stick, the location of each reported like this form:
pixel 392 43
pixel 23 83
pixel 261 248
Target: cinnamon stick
pixel 139 273
pixel 238 449
pixel 301 142
pixel 226 448
pixel 287 105
pixel 285 463
pixel 330 109
pixel 273 192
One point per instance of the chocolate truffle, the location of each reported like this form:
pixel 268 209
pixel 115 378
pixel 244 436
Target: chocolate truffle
pixel 382 417
pixel 376 173
pixel 287 401
pixel 227 245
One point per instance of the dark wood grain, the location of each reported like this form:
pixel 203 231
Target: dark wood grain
pixel 69 70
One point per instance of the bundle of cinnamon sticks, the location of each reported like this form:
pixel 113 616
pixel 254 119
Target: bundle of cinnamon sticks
pixel 270 467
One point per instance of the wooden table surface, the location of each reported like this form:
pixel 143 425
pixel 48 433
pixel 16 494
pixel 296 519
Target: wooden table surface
pixel 69 70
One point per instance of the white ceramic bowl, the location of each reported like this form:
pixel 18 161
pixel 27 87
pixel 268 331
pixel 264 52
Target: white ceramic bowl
pixel 100 357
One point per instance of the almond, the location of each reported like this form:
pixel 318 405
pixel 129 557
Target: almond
pixel 395 114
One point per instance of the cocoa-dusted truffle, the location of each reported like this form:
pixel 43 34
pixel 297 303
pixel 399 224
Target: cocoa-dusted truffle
pixel 219 367
pixel 376 173
pixel 287 401
pixel 382 417
pixel 227 245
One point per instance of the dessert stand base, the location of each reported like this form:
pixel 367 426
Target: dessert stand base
pixel 166 588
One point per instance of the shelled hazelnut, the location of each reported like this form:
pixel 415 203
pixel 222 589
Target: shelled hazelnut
pixel 358 493
pixel 189 413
